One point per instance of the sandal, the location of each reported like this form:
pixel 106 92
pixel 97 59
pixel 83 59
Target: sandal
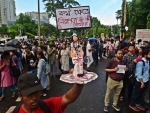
pixel 13 95
pixel 121 98
pixel 1 98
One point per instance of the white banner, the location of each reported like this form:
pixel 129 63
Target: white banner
pixel 143 34
pixel 77 17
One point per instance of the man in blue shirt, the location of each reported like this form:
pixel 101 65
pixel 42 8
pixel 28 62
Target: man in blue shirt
pixel 142 78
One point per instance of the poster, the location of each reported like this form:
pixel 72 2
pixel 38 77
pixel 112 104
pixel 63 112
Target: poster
pixel 71 18
pixel 143 34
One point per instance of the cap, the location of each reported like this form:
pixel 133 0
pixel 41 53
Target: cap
pixel 74 34
pixel 29 83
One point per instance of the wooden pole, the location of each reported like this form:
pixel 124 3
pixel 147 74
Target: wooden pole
pixel 124 20
pixel 39 30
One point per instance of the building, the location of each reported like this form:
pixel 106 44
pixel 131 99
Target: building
pixel 44 18
pixel 7 11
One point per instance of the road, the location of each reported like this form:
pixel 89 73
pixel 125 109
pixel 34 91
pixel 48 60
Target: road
pixel 91 99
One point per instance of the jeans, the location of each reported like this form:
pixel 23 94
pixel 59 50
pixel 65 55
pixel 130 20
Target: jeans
pixel 137 93
pixel 100 53
pixel 95 58
pixel 127 87
pixel 115 86
pixel 34 71
pixel 89 61
pixel 13 87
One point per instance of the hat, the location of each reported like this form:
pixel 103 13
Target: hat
pixel 74 34
pixel 29 83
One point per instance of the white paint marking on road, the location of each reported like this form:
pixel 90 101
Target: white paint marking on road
pixel 11 109
pixel 18 99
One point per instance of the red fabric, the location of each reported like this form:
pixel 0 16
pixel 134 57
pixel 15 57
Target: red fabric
pixel 139 58
pixel 53 103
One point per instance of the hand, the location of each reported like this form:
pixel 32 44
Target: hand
pixel 116 69
pixel 142 85
pixel 54 49
pixel 34 65
pixel 126 69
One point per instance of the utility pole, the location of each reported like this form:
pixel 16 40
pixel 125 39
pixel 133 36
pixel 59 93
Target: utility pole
pixel 39 30
pixel 124 17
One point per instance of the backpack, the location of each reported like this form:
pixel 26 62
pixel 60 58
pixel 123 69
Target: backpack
pixel 132 78
pixel 47 68
pixel 42 105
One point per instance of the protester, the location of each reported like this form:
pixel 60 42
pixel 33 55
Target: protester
pixel 115 80
pixel 142 78
pixel 128 60
pixel 41 67
pixel 30 61
pixel 89 54
pixel 65 54
pixel 30 95
pixel 7 79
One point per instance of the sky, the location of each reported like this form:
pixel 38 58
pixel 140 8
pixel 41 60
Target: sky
pixel 104 10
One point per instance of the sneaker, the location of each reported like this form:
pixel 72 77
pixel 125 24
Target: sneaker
pixel 140 107
pixel 116 108
pixel 134 108
pixel 106 109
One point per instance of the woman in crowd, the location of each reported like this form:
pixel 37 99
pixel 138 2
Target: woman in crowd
pixel 65 54
pixel 7 79
pixel 52 52
pixel 41 71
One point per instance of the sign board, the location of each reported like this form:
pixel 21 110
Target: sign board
pixel 102 35
pixel 71 18
pixel 143 34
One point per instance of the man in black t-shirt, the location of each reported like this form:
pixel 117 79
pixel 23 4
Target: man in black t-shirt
pixel 30 61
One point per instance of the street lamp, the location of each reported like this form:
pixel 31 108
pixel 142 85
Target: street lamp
pixel 39 22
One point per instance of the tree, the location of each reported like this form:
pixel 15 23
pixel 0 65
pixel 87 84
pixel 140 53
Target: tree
pixel 3 29
pixel 118 15
pixel 137 12
pixel 52 5
pixel 148 21
pixel 28 24
pixel 13 31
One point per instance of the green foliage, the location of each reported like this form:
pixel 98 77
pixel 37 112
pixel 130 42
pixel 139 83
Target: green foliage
pixel 28 24
pixel 3 29
pixel 148 21
pixel 97 29
pixel 30 35
pixel 52 5
pixel 137 14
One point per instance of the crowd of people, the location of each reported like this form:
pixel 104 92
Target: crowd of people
pixel 133 84
pixel 33 56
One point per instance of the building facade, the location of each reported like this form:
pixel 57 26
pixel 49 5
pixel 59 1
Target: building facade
pixel 7 11
pixel 44 18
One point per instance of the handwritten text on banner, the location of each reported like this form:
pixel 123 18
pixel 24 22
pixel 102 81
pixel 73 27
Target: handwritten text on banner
pixel 78 17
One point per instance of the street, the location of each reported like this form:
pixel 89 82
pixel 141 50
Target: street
pixel 91 99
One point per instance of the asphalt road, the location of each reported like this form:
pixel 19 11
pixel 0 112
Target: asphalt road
pixel 91 99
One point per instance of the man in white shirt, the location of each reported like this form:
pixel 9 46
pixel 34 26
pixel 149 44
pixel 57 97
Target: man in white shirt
pixel 89 54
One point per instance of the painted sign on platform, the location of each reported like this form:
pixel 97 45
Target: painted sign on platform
pixel 77 17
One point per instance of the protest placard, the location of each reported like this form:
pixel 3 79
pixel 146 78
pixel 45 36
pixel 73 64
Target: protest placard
pixel 143 34
pixel 76 17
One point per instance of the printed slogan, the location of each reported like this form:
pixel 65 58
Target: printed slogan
pixel 78 17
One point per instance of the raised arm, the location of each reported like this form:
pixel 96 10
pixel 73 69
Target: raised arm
pixel 71 95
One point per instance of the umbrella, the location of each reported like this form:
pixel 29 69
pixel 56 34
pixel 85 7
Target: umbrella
pixel 92 39
pixel 3 49
pixel 13 42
